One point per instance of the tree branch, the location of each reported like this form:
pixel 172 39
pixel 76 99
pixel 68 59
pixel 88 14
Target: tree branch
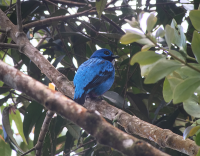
pixel 132 124
pixel 8 45
pixel 19 17
pixel 43 131
pixel 70 3
pixel 2 30
pixel 113 24
pixel 91 121
pixel 57 18
pixel 111 2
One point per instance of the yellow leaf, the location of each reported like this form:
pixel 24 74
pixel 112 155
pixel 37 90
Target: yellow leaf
pixel 51 86
pixel 194 130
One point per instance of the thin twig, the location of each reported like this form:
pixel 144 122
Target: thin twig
pixel 58 18
pixel 32 149
pixel 2 30
pixel 62 40
pixel 113 24
pixel 43 131
pixel 12 91
pixel 5 53
pixel 111 2
pixel 176 58
pixel 2 37
pixel 69 3
pixel 7 11
pixel 127 78
pixel 79 147
pixel 19 17
pixel 82 152
pixel 55 4
pixel 41 41
pixel 10 3
pixel 8 45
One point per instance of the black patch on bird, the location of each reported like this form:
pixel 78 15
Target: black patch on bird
pixel 109 58
pixel 97 80
pixel 102 62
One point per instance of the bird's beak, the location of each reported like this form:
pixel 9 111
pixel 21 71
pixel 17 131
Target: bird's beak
pixel 115 56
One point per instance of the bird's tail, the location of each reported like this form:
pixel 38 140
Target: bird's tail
pixel 80 100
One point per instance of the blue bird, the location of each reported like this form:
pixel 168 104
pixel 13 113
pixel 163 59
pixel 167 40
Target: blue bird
pixel 95 76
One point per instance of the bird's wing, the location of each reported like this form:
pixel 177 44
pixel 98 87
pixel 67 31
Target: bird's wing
pixel 98 79
pixel 93 72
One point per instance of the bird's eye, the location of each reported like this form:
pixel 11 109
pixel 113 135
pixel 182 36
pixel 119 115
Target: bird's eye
pixel 106 52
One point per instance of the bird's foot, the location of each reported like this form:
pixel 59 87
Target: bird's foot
pixel 99 98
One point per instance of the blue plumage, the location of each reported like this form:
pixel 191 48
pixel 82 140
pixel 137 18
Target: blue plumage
pixel 95 76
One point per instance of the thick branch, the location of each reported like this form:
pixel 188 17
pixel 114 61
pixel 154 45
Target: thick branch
pixel 91 121
pixel 132 124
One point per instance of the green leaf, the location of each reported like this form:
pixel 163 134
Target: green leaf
pixel 185 89
pixel 60 142
pixel 196 45
pixel 198 154
pixel 173 81
pixel 190 131
pixel 100 5
pixel 191 106
pixel 5 148
pixel 74 130
pixel 146 47
pixel 177 54
pixel 145 69
pixel 18 121
pixel 69 142
pixel 60 123
pixel 195 19
pixel 197 140
pixel 146 57
pixel 161 69
pixel 186 72
pixel 179 36
pixel 7 127
pixel 133 22
pixel 111 35
pixel 160 32
pixel 151 21
pixel 59 12
pixel 167 91
pixel 33 112
pixel 194 130
pixel 145 41
pixel 169 35
pixel 131 36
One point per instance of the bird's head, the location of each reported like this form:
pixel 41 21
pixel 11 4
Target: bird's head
pixel 104 54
